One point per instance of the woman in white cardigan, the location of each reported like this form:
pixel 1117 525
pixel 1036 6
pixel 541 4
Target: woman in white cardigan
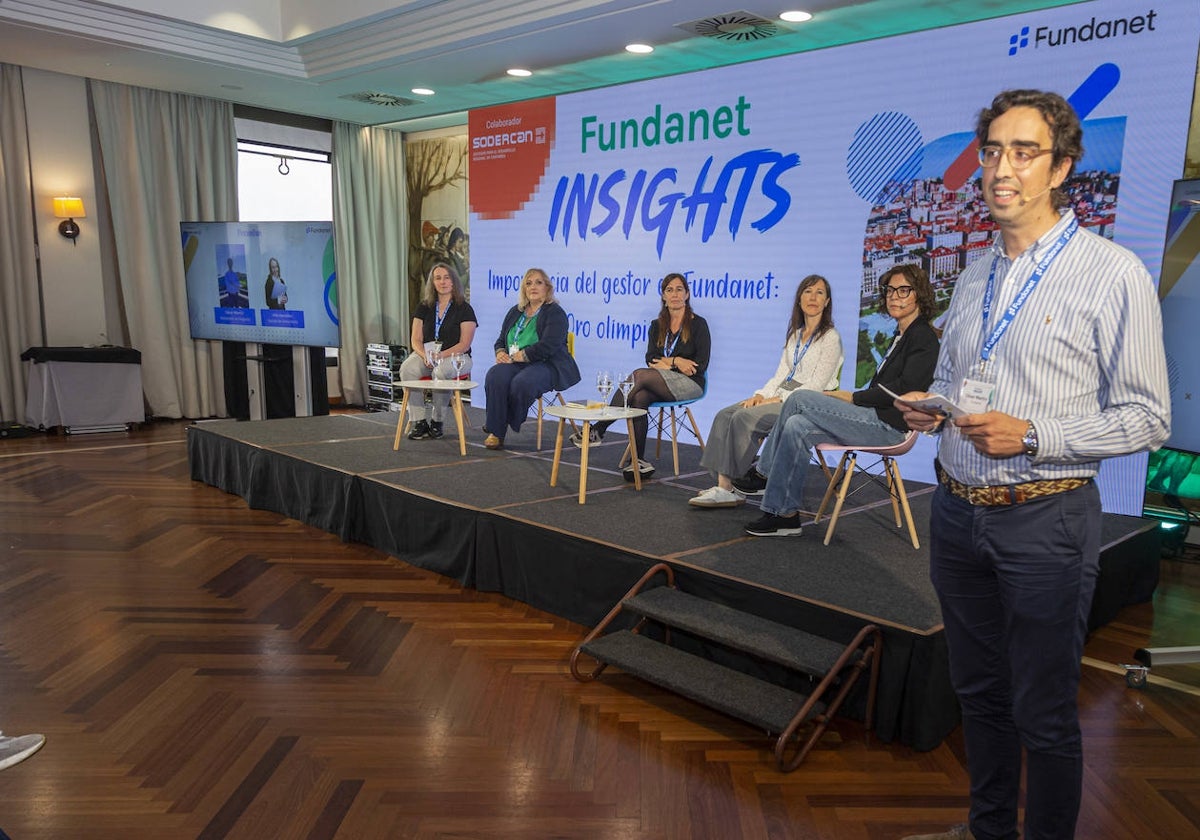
pixel 811 358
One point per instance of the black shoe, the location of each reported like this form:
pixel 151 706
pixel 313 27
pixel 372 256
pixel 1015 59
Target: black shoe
pixel 594 438
pixel 770 525
pixel 420 430
pixel 435 429
pixel 751 484
pixel 644 467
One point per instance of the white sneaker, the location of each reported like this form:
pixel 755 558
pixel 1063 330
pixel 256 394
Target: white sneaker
pixel 717 497
pixel 15 750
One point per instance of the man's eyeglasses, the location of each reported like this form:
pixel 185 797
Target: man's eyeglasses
pixel 1019 157
pixel 901 292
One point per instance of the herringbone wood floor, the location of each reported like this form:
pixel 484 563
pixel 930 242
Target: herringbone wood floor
pixel 205 670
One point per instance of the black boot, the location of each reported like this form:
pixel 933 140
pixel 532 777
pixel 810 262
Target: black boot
pixel 435 429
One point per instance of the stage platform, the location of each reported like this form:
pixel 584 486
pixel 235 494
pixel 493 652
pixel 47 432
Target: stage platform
pixel 491 521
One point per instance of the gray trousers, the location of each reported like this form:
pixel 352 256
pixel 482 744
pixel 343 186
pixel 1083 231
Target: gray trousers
pixel 735 437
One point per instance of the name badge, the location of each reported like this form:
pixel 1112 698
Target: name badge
pixel 512 349
pixel 975 396
pixel 789 385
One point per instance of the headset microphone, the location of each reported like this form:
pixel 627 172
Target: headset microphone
pixel 1026 199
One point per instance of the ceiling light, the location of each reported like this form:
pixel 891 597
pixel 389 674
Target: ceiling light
pixel 520 72
pixel 423 91
pixel 795 17
pixel 639 49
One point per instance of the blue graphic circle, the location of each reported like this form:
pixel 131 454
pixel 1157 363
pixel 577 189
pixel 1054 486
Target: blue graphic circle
pixel 885 156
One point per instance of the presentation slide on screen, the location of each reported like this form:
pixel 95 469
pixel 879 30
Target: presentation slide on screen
pixel 263 282
pixel 748 178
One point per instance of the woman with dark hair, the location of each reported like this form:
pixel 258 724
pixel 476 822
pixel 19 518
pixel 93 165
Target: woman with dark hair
pixel 275 290
pixel 811 358
pixel 443 325
pixel 868 417
pixel 677 355
pixel 531 358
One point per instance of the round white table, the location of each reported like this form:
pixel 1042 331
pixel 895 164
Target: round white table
pixel 587 416
pixel 454 386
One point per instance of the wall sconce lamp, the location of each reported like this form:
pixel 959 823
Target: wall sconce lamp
pixel 67 208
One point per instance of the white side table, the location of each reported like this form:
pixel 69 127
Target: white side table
pixel 588 416
pixel 454 386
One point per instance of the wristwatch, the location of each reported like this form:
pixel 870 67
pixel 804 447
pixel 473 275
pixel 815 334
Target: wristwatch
pixel 1030 440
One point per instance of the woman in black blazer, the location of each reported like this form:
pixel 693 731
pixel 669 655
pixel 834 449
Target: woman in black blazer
pixel 531 358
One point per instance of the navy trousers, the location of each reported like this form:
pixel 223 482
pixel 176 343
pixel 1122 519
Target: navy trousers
pixel 510 390
pixel 1015 584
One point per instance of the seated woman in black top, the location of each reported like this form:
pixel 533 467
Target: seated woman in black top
pixel 677 354
pixel 867 417
pixel 443 325
pixel 531 358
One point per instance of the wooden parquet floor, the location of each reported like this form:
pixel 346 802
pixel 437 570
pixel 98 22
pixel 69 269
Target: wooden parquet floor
pixel 205 670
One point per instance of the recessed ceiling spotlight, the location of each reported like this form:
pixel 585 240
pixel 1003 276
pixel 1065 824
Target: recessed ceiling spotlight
pixel 795 17
pixel 519 72
pixel 423 91
pixel 639 49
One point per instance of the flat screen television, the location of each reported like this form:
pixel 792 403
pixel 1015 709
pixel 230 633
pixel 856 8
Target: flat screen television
pixel 263 282
pixel 1179 290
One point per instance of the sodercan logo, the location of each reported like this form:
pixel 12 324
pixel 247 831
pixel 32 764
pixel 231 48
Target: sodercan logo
pixel 1048 37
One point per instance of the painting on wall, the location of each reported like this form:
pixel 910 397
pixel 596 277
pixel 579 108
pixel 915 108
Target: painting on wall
pixel 436 174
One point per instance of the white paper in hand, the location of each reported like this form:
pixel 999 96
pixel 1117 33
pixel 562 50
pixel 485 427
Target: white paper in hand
pixel 934 403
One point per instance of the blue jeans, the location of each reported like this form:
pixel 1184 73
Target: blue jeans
pixel 809 418
pixel 1015 585
pixel 510 390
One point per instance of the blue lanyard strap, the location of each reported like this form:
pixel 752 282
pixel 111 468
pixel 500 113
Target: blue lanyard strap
pixel 438 318
pixel 670 341
pixel 1005 321
pixel 797 355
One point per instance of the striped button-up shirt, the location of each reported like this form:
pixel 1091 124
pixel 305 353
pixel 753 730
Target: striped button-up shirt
pixel 1083 359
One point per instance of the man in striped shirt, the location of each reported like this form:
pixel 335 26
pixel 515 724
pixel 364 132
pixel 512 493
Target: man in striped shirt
pixel 1053 348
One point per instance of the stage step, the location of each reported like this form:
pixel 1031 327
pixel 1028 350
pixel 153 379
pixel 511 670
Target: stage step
pixel 739 630
pixel 739 695
pixel 833 667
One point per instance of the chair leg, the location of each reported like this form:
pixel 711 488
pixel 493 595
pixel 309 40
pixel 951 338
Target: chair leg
pixel 658 445
pixel 852 457
pixel 902 494
pixel 832 486
pixel 695 426
pixel 539 423
pixel 674 441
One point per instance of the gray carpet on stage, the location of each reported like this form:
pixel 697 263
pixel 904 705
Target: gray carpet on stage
pixel 869 568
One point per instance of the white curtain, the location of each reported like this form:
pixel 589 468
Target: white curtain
pixel 369 217
pixel 165 158
pixel 20 309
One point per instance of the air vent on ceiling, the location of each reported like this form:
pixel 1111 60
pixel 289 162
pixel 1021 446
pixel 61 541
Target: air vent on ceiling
pixel 735 27
pixel 375 97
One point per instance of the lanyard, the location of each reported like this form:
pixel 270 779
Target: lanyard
pixel 1005 321
pixel 437 319
pixel 669 342
pixel 797 355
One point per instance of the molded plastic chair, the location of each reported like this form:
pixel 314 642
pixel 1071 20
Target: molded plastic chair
pixel 665 406
pixel 839 480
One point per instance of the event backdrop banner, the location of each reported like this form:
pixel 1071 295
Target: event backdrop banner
pixel 841 162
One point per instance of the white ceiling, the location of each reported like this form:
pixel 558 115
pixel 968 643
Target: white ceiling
pixel 306 56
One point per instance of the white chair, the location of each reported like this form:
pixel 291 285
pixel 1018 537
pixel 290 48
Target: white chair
pixel 839 480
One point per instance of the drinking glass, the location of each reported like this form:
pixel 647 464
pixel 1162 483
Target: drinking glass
pixel 458 361
pixel 604 384
pixel 626 385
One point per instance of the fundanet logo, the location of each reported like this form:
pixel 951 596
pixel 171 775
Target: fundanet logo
pixel 1092 30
